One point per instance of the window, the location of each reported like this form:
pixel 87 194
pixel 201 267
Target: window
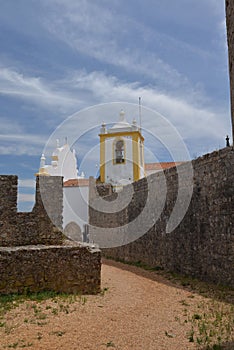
pixel 119 152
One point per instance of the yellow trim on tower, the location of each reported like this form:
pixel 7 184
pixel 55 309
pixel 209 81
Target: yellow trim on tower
pixel 123 133
pixel 143 158
pixel 102 158
pixel 135 157
pixel 136 136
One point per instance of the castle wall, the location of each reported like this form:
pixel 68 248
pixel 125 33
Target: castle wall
pixel 202 245
pixel 34 254
pixel 230 37
pixel 70 268
pixel 18 229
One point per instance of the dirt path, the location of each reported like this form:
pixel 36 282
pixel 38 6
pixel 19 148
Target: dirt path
pixel 134 312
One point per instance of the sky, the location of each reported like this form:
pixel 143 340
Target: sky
pixel 90 59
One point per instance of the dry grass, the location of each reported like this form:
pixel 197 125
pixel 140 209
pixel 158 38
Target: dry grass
pixel 137 310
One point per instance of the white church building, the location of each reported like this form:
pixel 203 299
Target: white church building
pixel 75 190
pixel 121 163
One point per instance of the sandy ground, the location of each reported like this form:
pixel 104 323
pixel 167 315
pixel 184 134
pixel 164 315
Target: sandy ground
pixel 133 312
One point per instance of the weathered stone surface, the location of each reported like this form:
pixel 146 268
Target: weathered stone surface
pixel 8 205
pixel 34 255
pixel 18 229
pixel 230 37
pixel 70 268
pixel 202 245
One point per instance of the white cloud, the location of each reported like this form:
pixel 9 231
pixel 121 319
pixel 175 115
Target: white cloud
pixel 107 36
pixel 34 89
pixel 140 48
pixel 199 126
pixel 24 138
pixel 187 117
pixel 25 197
pixel 97 87
pixel 7 126
pixel 27 183
pixel 20 144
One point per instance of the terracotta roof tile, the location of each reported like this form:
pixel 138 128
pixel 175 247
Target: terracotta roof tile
pixel 161 166
pixel 148 167
pixel 76 183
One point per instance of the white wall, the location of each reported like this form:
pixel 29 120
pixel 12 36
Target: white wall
pixel 66 165
pixel 75 205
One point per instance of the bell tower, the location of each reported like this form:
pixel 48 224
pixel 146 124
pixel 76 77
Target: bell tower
pixel 121 153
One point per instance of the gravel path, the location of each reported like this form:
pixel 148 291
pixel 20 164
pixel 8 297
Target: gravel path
pixel 135 311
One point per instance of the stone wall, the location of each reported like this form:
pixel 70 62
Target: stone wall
pixel 202 245
pixel 230 37
pixel 71 268
pixel 34 255
pixel 35 227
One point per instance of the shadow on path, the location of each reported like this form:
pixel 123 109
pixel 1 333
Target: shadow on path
pixel 209 290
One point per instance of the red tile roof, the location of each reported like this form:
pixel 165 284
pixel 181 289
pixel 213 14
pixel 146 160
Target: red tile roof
pixel 161 166
pixel 76 183
pixel 148 167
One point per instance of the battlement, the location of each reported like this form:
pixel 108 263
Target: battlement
pixel 36 227
pixel 34 254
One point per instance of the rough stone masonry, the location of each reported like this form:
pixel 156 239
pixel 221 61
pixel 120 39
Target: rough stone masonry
pixel 202 245
pixel 34 254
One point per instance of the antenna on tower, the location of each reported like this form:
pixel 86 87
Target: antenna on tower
pixel 140 112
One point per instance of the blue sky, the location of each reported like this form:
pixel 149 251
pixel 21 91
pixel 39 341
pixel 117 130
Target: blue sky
pixel 58 57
